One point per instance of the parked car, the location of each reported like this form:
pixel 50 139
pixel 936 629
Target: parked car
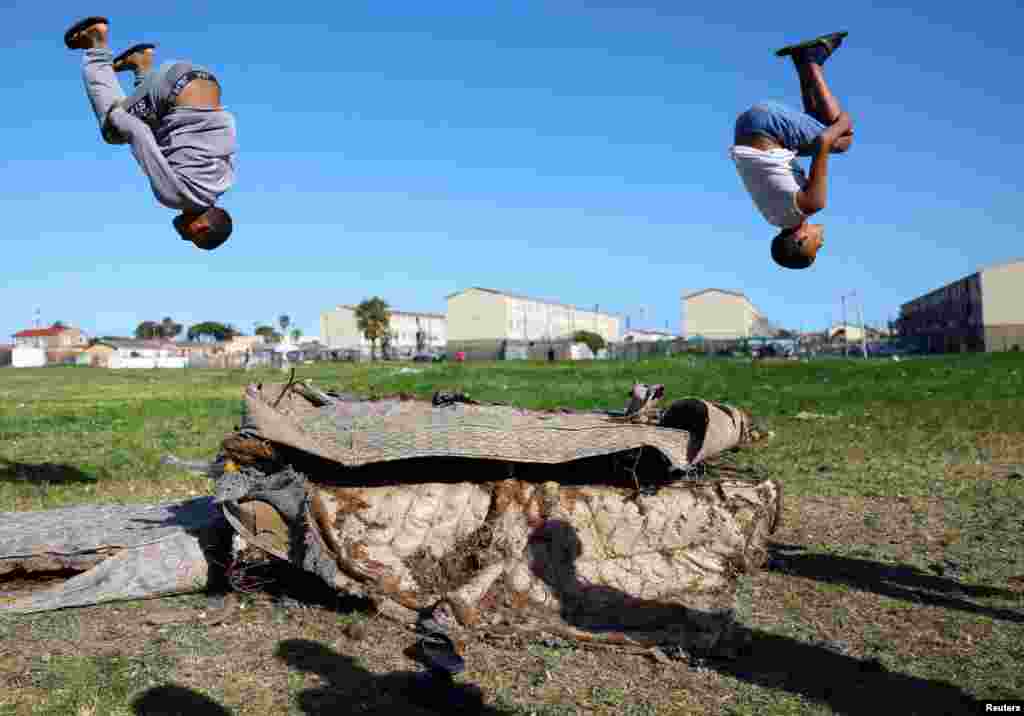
pixel 891 349
pixel 429 357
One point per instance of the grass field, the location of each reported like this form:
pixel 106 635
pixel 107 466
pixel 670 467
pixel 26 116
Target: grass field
pixel 897 581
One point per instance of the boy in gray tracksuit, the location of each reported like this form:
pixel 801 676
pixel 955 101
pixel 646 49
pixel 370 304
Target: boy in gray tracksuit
pixel 181 136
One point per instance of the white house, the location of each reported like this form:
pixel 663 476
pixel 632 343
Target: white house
pixel 32 345
pixel 139 354
pixel 26 356
pixel 638 335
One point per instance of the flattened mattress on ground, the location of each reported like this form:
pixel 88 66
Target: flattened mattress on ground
pixel 503 549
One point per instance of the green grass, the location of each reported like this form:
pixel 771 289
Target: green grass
pixel 191 640
pixel 62 625
pixel 900 465
pixel 909 419
pixel 94 685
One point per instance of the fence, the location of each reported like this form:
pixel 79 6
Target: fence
pixel 637 350
pixel 117 361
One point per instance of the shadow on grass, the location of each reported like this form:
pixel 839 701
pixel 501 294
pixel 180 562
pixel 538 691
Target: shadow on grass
pixel 848 685
pixel 42 472
pixel 896 581
pixel 173 700
pixel 350 688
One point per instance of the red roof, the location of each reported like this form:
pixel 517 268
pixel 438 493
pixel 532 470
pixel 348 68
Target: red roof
pixel 40 332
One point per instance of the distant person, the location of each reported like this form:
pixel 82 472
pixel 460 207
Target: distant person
pixel 769 137
pixel 182 137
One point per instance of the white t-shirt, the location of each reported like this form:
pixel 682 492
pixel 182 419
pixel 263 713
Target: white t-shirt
pixel 773 177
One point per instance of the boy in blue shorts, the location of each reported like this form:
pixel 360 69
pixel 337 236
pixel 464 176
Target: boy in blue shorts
pixel 768 138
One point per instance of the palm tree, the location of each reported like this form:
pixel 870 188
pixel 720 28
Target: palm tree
pixel 373 319
pixel 169 329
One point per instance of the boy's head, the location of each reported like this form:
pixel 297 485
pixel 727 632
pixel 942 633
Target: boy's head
pixel 797 246
pixel 207 229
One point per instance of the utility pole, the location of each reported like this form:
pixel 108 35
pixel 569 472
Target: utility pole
pixel 846 327
pixel 863 328
pixel 846 338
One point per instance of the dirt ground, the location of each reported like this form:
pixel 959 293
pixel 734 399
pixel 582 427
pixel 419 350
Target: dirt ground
pixel 293 648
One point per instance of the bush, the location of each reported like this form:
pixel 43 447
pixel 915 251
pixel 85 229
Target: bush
pixel 593 340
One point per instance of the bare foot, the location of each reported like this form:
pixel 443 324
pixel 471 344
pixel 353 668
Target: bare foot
pixel 140 62
pixel 91 37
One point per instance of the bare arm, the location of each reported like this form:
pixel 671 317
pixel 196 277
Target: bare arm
pixel 812 198
pixel 843 143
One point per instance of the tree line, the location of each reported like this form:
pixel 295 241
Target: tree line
pixel 169 329
pixel 270 335
pixel 373 319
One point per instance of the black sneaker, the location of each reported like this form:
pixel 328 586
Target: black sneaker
pixel 830 42
pixel 82 26
pixel 119 61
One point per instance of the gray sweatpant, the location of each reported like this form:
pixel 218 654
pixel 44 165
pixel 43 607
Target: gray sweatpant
pixel 186 152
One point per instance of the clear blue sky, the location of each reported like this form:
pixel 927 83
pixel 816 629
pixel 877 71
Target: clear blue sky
pixel 570 150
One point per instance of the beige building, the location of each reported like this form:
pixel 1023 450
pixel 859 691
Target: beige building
pixel 339 331
pixel 486 315
pixel 717 314
pixel 980 312
pixel 850 333
pixel 242 344
pixel 98 354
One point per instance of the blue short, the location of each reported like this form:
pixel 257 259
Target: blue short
pixel 794 130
